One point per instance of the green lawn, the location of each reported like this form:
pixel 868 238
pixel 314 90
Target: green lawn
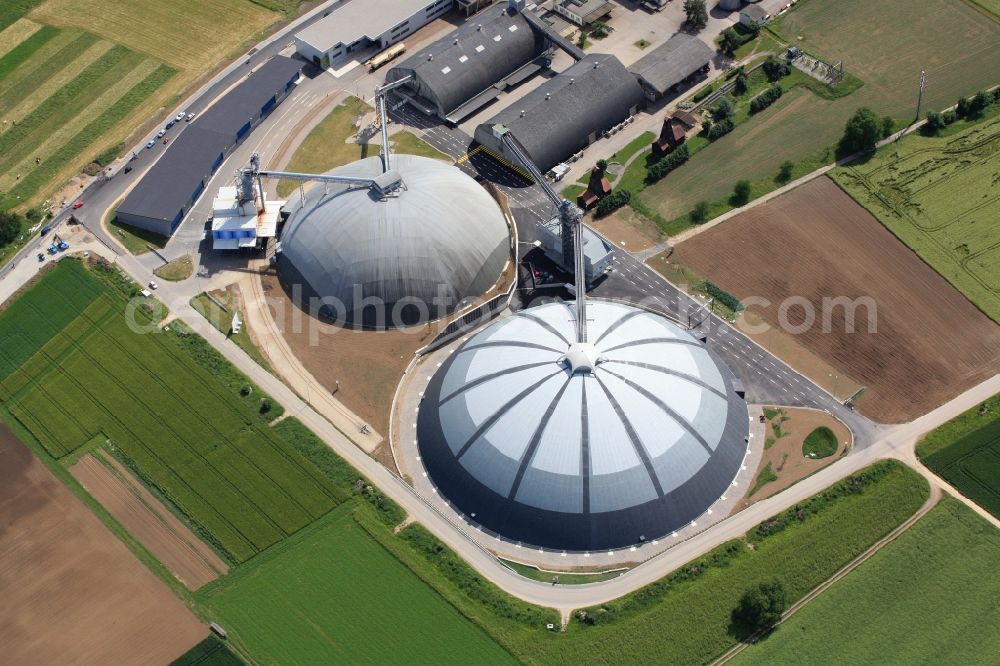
pixel 820 443
pixel 939 196
pixel 409 144
pixel 765 477
pixel 929 597
pixel 325 146
pixel 949 38
pixel 222 320
pixel 64 90
pixel 135 240
pixel 965 452
pixel 332 594
pixel 174 410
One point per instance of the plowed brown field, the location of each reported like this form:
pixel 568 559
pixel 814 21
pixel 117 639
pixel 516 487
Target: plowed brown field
pixel 71 591
pixel 814 242
pixel 151 523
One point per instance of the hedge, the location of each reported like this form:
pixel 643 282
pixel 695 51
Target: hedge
pixel 613 202
pixel 765 99
pixel 673 160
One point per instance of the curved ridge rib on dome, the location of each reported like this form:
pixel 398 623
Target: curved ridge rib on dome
pixel 636 448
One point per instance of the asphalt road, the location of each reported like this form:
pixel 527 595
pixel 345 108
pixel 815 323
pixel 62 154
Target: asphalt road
pixel 766 378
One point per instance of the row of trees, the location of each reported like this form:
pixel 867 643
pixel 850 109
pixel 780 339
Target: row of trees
pixel 673 160
pixel 612 202
pixel 971 108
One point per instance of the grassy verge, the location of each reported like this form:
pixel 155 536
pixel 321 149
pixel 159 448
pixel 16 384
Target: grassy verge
pixel 966 453
pixel 136 241
pixel 765 477
pixel 561 577
pixel 222 321
pixel 408 143
pixel 179 269
pixel 927 597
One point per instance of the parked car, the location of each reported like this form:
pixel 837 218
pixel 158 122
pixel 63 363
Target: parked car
pixel 45 230
pixel 41 256
pixel 128 169
pixel 151 143
pixel 78 204
pixel 189 117
pixel 179 117
pixel 159 135
pixel 170 123
pixel 152 284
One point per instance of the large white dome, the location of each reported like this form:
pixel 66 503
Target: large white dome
pixel 437 240
pixel 643 437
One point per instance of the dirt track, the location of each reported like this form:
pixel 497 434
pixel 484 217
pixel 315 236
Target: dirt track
pixel 72 592
pixel 931 343
pixel 151 523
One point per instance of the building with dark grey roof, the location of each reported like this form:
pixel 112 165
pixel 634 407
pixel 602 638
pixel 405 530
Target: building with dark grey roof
pixel 582 446
pixel 567 112
pixel 681 58
pixel 464 71
pixel 167 191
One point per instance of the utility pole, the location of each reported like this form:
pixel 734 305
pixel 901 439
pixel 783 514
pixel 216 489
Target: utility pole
pixel 920 95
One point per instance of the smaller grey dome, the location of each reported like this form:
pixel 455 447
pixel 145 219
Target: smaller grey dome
pixel 380 261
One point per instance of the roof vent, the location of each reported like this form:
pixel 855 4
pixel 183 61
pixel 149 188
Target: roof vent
pixel 548 95
pixel 479 27
pixel 456 42
pixel 571 80
pixel 430 56
pixel 596 65
pixel 522 113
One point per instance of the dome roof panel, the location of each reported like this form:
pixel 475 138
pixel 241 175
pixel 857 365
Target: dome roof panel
pixel 636 447
pixel 438 240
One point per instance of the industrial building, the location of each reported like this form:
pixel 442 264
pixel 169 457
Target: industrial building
pixel 167 191
pixel 469 68
pixel 416 244
pixel 355 25
pixel 678 61
pixel 583 12
pixel 582 446
pixel 242 219
pixel 566 113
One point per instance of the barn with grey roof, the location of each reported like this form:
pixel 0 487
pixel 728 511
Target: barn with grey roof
pixel 678 60
pixel 472 65
pixel 566 113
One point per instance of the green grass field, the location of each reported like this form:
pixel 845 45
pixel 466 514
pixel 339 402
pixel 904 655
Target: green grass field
pixel 820 443
pixel 940 196
pixel 78 76
pixel 929 597
pixel 173 409
pixel 65 89
pixel 331 594
pixel 965 452
pixel 948 38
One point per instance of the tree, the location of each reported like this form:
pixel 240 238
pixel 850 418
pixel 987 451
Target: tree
pixel 760 607
pixel 775 69
pixel 729 41
pixel 599 30
pixel 740 86
pixel 888 125
pixel 697 14
pixel 935 123
pixel 962 108
pixel 602 165
pixel 861 133
pixel 10 227
pixel 725 108
pixel 785 171
pixel 979 103
pixel 700 212
pixel 612 202
pixel 741 193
